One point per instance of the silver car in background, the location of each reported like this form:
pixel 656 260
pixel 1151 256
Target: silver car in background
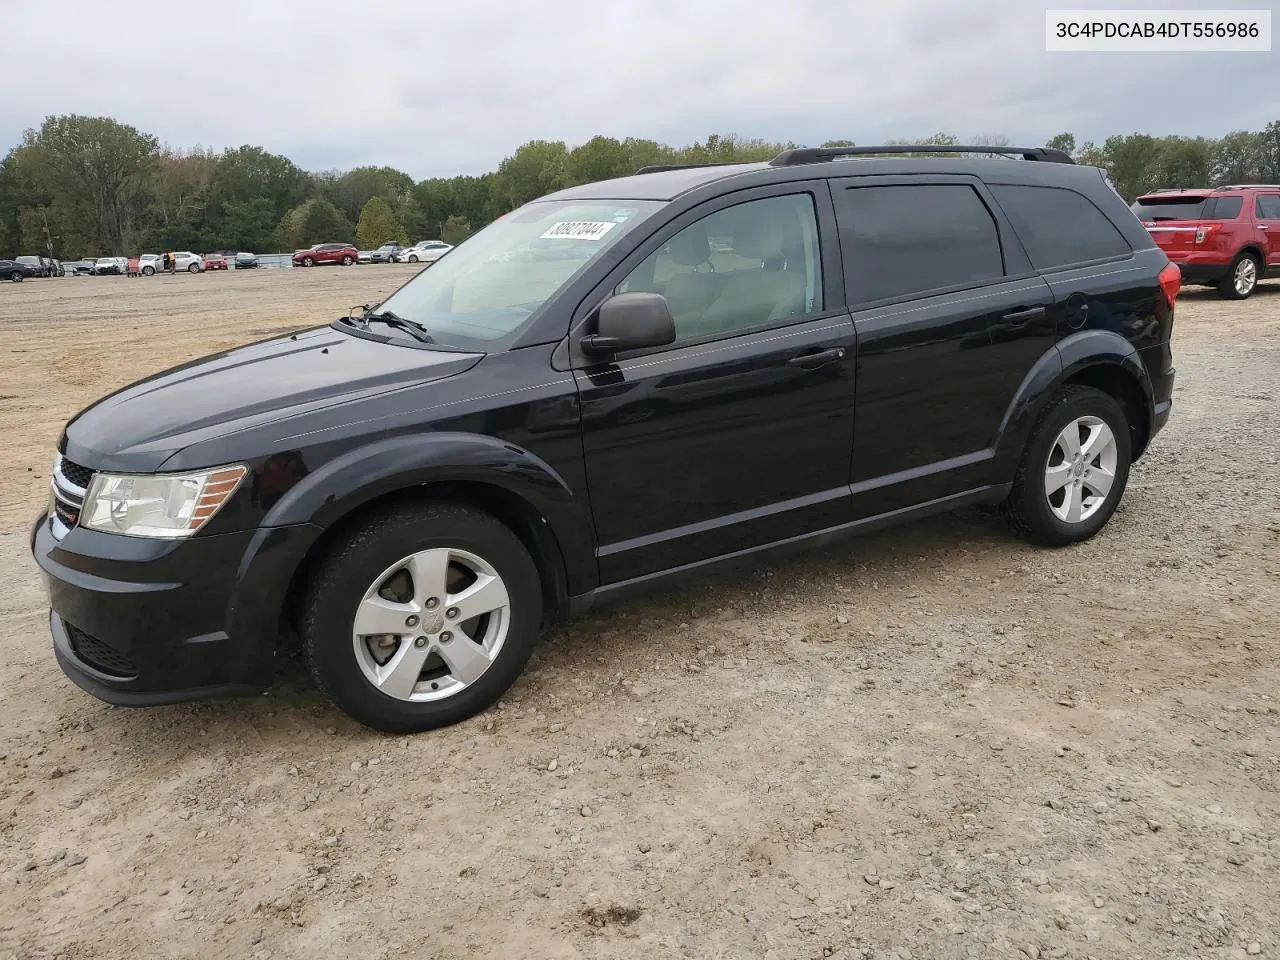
pixel 424 251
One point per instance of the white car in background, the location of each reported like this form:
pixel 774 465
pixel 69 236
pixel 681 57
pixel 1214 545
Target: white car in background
pixel 150 264
pixel 424 251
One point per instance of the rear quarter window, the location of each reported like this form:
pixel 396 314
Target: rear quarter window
pixel 1059 227
pixel 1223 208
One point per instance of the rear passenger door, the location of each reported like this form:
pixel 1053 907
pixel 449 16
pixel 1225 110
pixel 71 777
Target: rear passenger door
pixel 949 317
pixel 1266 209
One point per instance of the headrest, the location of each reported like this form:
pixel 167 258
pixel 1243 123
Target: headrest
pixel 689 248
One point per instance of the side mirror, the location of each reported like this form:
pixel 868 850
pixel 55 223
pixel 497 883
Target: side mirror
pixel 631 321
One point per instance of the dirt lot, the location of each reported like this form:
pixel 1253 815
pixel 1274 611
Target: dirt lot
pixel 934 742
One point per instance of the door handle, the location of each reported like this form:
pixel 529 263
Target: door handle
pixel 811 360
pixel 1262 226
pixel 1019 317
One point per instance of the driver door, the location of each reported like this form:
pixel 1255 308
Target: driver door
pixel 740 433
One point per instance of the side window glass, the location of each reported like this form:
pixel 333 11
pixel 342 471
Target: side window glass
pixel 1059 227
pixel 1268 206
pixel 898 241
pixel 743 268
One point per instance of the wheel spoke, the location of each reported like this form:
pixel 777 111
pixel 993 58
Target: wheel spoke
pixel 1072 504
pixel 484 596
pixel 1099 481
pixel 1099 439
pixel 1069 441
pixel 430 572
pixel 399 675
pixel 465 658
pixel 1057 477
pixel 376 615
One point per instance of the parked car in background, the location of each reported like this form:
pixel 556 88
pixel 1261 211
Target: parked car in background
pixel 424 251
pixel 343 253
pixel 150 264
pixel 77 268
pixel 245 261
pixel 106 266
pixel 1223 237
pixel 41 266
pixel 214 261
pixel 188 261
pixel 16 271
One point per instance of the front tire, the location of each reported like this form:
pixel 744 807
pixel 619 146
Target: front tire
pixel 194 268
pixel 308 262
pixel 412 258
pixel 1242 279
pixel 1074 469
pixel 148 271
pixel 422 617
pixel 16 276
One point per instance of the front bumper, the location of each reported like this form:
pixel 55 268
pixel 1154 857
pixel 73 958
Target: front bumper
pixel 138 622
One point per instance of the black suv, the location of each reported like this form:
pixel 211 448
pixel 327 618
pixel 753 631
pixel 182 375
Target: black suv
pixel 615 384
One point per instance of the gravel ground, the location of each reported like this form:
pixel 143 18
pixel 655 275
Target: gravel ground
pixel 933 742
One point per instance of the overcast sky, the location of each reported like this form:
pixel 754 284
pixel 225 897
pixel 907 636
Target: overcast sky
pixel 439 87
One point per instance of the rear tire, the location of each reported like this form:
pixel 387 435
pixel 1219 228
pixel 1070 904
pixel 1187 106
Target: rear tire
pixel 16 276
pixel 1079 446
pixel 346 261
pixel 391 565
pixel 1241 279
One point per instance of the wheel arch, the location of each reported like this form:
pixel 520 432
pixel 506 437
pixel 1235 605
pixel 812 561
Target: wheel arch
pixel 1102 359
pixel 510 483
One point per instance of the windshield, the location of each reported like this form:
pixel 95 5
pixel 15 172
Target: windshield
pixel 488 286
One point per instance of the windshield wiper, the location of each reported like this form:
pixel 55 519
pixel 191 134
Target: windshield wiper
pixel 400 323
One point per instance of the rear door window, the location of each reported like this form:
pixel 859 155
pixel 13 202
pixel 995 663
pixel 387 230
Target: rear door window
pixel 910 239
pixel 1267 206
pixel 1059 227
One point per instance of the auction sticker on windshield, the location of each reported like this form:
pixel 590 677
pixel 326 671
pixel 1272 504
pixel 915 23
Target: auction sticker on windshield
pixel 578 230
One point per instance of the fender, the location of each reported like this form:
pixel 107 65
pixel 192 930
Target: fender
pixel 385 466
pixel 1066 359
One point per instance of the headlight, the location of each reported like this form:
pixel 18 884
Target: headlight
pixel 166 505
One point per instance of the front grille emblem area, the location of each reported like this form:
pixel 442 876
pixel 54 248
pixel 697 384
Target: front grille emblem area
pixel 69 483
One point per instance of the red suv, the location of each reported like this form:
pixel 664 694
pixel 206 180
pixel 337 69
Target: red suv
pixel 343 253
pixel 1228 237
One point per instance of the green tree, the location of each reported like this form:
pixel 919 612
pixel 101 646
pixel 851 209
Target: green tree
pixel 378 225
pixel 455 230
pixel 1066 142
pixel 97 170
pixel 1240 157
pixel 838 143
pixel 350 191
pixel 322 222
pixel 536 168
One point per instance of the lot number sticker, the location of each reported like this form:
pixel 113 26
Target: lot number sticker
pixel 578 230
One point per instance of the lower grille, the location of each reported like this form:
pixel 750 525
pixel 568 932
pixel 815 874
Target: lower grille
pixel 100 655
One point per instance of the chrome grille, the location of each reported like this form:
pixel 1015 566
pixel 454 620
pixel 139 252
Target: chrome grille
pixel 69 483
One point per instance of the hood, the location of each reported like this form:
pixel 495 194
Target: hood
pixel 140 426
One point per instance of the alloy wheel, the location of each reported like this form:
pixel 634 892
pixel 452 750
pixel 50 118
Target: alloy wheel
pixel 431 624
pixel 1081 469
pixel 1246 276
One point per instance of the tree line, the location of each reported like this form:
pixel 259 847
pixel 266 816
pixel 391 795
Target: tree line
pixel 89 186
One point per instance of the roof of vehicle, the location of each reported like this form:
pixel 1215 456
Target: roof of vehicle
pixel 669 182
pixel 1204 191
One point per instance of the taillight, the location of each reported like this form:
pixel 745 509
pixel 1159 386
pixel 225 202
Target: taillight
pixel 1170 282
pixel 1203 233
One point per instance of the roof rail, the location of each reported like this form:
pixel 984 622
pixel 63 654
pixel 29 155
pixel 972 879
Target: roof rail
pixel 1247 186
pixel 662 167
pixel 791 158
